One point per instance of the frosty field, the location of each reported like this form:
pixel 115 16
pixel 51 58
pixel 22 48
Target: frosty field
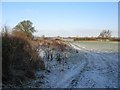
pixel 97 46
pixel 86 69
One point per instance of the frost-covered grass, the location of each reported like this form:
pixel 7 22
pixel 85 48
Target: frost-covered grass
pixel 102 46
pixel 85 69
pixel 75 67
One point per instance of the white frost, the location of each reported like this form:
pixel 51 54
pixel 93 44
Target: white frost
pixel 86 69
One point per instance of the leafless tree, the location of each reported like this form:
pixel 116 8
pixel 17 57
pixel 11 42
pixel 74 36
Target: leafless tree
pixel 105 34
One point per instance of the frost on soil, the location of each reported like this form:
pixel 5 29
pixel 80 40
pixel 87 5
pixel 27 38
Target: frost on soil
pixel 76 68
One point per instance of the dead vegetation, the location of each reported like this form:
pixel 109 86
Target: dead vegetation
pixel 19 59
pixel 54 44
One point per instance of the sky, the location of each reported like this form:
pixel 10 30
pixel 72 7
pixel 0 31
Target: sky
pixel 83 19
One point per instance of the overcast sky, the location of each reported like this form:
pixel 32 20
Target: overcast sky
pixel 64 18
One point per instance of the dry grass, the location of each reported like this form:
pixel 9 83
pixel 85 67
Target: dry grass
pixel 51 43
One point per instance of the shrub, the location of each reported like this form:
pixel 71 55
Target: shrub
pixel 59 44
pixel 53 44
pixel 18 59
pixel 20 34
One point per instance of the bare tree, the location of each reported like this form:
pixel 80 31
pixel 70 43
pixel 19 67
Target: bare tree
pixel 5 30
pixel 105 34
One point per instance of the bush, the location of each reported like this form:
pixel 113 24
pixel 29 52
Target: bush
pixel 18 59
pixel 54 44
